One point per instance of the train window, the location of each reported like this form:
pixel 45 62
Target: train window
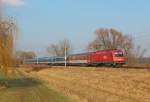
pixel 73 57
pixel 60 59
pixel 118 54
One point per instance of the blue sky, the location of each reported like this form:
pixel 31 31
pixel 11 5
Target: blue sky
pixel 43 22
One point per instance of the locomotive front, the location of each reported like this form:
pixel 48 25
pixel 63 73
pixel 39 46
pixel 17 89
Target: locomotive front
pixel 118 57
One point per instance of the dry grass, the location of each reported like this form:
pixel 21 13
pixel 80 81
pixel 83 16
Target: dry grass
pixel 100 84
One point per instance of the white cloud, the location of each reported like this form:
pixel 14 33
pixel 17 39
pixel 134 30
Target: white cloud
pixel 13 2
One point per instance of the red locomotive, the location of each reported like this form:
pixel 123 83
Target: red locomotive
pixel 104 57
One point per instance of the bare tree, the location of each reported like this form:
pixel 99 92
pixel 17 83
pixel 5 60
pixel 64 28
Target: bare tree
pixel 8 32
pixel 23 55
pixel 138 54
pixel 7 42
pixel 111 39
pixel 59 48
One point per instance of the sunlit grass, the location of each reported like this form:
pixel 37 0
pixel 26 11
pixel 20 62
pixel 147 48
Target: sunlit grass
pixel 99 84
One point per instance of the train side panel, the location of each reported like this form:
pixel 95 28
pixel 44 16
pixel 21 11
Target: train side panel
pixel 78 59
pixel 101 57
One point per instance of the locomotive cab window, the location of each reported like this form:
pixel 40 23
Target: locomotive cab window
pixel 118 54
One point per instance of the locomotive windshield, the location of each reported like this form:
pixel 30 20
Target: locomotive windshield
pixel 118 54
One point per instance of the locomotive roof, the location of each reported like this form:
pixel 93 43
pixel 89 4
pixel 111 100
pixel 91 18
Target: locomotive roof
pixel 44 58
pixel 81 54
pixel 86 53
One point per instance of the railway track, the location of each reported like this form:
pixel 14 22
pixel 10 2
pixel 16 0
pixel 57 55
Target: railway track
pixel 136 67
pixel 39 67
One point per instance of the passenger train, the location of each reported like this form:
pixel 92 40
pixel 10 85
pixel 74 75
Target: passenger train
pixel 102 57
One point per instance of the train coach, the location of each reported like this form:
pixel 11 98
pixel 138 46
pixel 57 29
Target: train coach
pixel 46 60
pixel 103 57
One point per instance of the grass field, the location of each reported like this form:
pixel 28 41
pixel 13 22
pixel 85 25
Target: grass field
pixel 99 84
pixel 23 88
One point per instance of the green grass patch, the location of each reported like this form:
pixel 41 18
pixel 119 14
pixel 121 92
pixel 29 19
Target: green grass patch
pixel 23 89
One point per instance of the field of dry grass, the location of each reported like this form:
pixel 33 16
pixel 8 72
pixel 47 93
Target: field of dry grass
pixel 22 88
pixel 99 84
